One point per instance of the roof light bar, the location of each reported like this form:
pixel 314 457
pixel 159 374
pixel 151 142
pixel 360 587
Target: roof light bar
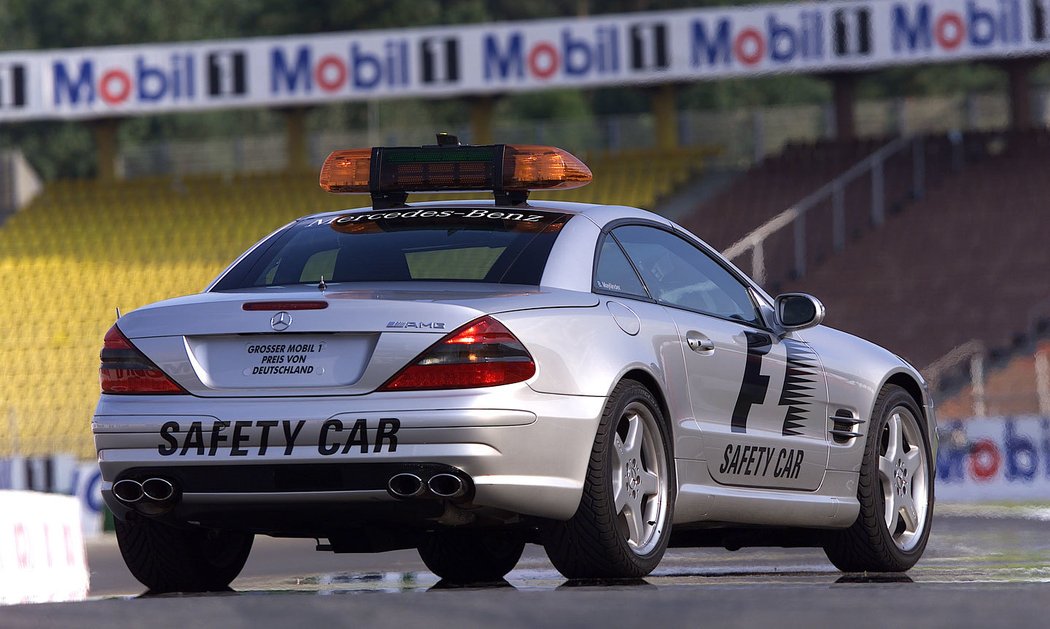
pixel 510 171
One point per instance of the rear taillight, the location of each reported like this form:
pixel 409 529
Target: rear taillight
pixel 125 369
pixel 483 353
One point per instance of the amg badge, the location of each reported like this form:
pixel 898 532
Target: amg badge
pixel 417 325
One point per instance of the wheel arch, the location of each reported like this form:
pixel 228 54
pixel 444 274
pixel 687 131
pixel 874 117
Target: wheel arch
pixel 912 386
pixel 650 382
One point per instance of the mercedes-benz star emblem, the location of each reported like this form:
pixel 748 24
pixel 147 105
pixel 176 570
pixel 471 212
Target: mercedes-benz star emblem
pixel 280 321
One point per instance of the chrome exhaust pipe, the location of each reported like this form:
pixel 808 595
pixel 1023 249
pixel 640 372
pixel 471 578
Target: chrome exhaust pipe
pixel 128 491
pixel 405 485
pixel 158 489
pixel 447 486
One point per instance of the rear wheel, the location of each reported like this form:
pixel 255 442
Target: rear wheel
pixel 169 559
pixel 895 491
pixel 623 523
pixel 471 556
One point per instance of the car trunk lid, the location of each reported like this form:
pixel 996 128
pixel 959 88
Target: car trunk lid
pixel 302 341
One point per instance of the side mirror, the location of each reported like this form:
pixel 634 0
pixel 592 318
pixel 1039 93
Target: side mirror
pixel 798 311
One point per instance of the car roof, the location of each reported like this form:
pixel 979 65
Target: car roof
pixel 598 213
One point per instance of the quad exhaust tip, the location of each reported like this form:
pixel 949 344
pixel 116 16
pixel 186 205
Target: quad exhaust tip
pixel 405 485
pixel 128 491
pixel 447 486
pixel 153 496
pixel 158 489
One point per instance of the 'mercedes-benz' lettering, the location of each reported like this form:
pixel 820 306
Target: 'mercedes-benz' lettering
pixel 335 437
pixel 523 217
pixel 763 461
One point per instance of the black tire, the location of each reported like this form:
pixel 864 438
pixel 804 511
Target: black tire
pixel 869 545
pixel 595 543
pixel 169 559
pixel 471 556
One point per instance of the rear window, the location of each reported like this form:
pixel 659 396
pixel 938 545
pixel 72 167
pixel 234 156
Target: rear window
pixel 441 244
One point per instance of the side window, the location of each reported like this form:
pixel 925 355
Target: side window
pixel 614 272
pixel 679 274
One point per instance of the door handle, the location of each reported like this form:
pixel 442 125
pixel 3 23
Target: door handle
pixel 699 343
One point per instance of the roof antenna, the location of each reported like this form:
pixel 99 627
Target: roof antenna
pixel 118 312
pixel 447 139
pixel 321 286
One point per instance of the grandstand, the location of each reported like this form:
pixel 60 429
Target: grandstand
pixel 959 260
pixel 972 246
pixel 769 186
pixel 1012 387
pixel 83 248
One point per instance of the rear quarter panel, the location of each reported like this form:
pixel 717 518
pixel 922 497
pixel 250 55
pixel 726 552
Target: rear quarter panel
pixel 585 351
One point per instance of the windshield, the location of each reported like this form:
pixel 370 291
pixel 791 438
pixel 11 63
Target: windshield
pixel 446 244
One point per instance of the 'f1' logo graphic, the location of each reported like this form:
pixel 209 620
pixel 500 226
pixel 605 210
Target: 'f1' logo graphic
pixel 852 32
pixel 649 46
pixel 439 60
pixel 226 73
pixel 12 86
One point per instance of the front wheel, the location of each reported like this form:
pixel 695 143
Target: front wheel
pixel 895 491
pixel 621 528
pixel 169 559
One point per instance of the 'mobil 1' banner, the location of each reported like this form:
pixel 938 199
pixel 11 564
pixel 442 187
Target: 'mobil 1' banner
pixel 625 49
pixel 994 460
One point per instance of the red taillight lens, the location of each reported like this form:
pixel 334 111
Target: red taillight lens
pixel 482 353
pixel 125 369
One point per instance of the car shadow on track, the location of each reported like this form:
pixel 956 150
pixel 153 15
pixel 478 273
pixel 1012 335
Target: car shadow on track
pixel 440 586
pixel 866 578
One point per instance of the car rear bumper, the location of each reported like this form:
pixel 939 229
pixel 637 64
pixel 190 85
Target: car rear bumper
pixel 245 455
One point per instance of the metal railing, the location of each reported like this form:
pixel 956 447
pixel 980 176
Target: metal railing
pixel 835 192
pixel 974 352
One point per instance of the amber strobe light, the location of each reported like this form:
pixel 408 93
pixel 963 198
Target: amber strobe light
pixel 126 370
pixel 347 171
pixel 542 168
pixel 483 353
pixel 496 167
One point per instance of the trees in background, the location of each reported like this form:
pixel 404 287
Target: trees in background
pixel 65 149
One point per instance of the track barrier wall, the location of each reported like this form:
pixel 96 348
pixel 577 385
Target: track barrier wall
pixel 42 556
pixel 59 474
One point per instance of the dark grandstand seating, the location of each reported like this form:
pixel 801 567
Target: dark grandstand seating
pixel 781 181
pixel 771 186
pixel 969 261
pixel 966 261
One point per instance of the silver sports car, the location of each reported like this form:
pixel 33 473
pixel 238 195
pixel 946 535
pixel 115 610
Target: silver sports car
pixel 463 377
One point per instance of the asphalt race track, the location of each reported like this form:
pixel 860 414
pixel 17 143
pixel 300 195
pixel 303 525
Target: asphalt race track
pixel 978 571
